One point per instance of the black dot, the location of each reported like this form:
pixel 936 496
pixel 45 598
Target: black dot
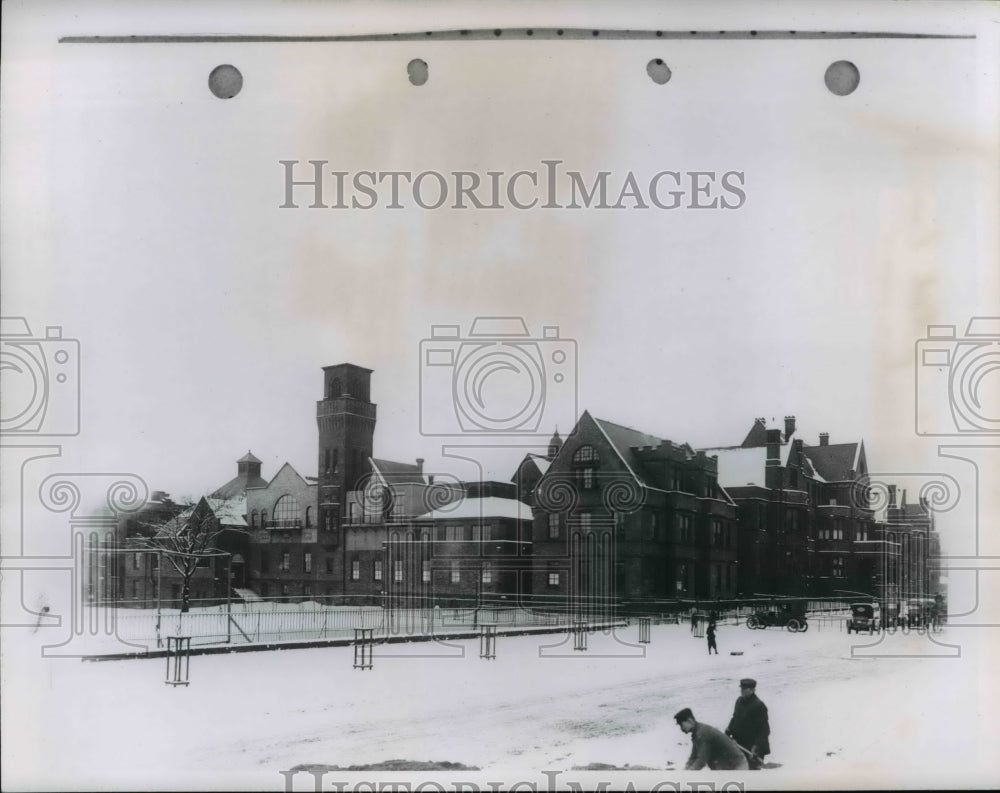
pixel 225 81
pixel 531 33
pixel 658 71
pixel 464 32
pixel 497 32
pixel 753 32
pixel 559 32
pixel 417 71
pixel 597 33
pixel 659 34
pixel 842 78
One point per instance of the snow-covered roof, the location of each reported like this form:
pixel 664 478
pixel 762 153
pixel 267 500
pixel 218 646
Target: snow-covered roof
pixel 475 508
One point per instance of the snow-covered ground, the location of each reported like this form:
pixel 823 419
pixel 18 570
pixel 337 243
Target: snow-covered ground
pixel 836 720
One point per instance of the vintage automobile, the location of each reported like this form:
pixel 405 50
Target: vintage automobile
pixel 862 618
pixel 789 614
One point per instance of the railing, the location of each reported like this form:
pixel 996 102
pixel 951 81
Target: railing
pixel 290 523
pixel 270 622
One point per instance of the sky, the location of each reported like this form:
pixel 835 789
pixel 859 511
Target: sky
pixel 142 215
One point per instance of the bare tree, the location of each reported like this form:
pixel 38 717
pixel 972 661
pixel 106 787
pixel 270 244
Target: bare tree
pixel 191 539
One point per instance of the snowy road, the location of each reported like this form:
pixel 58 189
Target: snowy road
pixel 836 720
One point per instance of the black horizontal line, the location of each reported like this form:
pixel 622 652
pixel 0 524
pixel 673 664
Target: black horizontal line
pixel 497 34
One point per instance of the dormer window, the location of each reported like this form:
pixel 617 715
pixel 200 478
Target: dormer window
pixel 586 461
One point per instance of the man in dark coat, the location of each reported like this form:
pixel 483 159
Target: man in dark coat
pixel 749 726
pixel 709 747
pixel 710 633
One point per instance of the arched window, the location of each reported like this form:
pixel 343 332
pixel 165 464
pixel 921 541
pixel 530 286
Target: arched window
pixel 308 517
pixel 253 519
pixel 336 388
pixel 286 513
pixel 586 461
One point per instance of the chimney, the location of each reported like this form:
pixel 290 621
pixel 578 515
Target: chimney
pixel 430 479
pixel 902 501
pixel 789 426
pixel 892 497
pixel 824 439
pixel 420 465
pixel 772 468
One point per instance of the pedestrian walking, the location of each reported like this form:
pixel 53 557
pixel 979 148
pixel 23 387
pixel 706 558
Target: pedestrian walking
pixel 694 622
pixel 749 726
pixel 709 747
pixel 710 633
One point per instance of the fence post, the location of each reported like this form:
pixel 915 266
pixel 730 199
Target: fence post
pixel 363 645
pixel 178 660
pixel 580 635
pixel 644 623
pixel 488 641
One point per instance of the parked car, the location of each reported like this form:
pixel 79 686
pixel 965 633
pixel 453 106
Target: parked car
pixel 788 614
pixel 862 618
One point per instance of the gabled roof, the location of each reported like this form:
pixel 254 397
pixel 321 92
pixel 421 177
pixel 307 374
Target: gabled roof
pixel 398 473
pixel 229 512
pixel 622 440
pixel 541 463
pixel 835 461
pixel 237 486
pixel 476 508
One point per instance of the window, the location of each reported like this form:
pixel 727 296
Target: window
pixel 329 564
pixel 685 531
pixel 553 527
pixel 355 570
pixel 377 572
pixel 441 533
pixel 135 560
pixel 425 572
pixel 286 562
pixel 307 562
pixel 456 576
pixel 286 513
pixel 682 576
pixel 329 520
pixel 717 533
pixel 308 517
pixel 397 571
pixel 253 519
pixel 264 562
pixel 135 588
pixel 586 462
pixel 307 590
pixel 837 564
pixel 553 578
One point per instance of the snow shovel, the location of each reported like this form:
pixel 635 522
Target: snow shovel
pixel 753 760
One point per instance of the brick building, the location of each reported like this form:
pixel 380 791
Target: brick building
pixel 623 516
pixel 610 515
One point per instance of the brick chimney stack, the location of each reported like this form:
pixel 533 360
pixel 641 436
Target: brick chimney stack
pixel 420 465
pixel 789 426
pixel 824 439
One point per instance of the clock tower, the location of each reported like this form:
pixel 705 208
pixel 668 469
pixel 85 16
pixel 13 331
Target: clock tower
pixel 346 422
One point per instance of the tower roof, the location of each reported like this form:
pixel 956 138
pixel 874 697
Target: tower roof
pixel 248 458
